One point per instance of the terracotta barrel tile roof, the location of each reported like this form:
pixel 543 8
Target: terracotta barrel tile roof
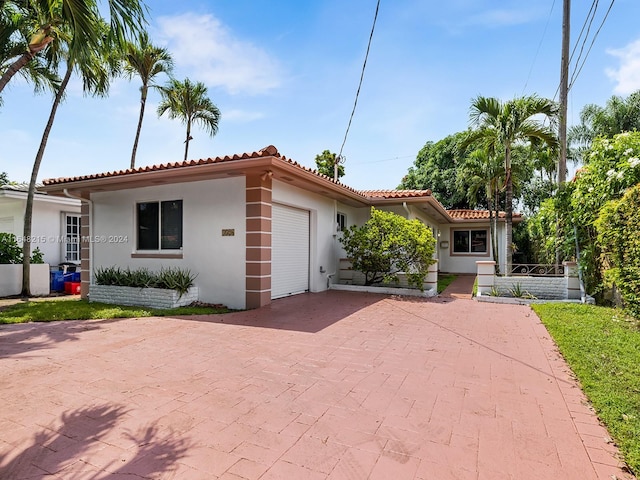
pixel 271 151
pixel 265 152
pixel 395 193
pixel 476 214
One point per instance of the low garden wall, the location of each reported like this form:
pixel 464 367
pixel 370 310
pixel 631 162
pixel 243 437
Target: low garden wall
pixel 566 287
pixel 350 277
pixel 144 297
pixel 11 279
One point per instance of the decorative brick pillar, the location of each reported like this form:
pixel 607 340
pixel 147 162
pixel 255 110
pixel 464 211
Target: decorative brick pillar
pixel 85 247
pixel 258 242
pixel 486 276
pixel 572 280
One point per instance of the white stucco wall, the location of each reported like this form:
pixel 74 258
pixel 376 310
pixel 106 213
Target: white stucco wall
pixel 324 246
pixel 47 226
pixel 208 207
pixel 462 263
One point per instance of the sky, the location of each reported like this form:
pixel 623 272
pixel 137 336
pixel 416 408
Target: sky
pixel 285 73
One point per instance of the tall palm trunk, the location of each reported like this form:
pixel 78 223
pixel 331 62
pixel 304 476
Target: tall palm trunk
pixel 14 68
pixel 143 102
pixel 28 214
pixel 492 230
pixel 25 58
pixel 496 213
pixel 186 142
pixel 508 237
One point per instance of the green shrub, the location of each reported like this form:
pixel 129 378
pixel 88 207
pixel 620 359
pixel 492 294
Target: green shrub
pixel 176 279
pixel 11 252
pixel 618 228
pixel 388 244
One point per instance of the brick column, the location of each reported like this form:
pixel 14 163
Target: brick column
pixel 486 276
pixel 85 246
pixel 258 243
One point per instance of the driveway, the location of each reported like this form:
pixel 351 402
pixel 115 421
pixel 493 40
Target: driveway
pixel 335 385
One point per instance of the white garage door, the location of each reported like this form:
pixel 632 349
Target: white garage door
pixel 289 251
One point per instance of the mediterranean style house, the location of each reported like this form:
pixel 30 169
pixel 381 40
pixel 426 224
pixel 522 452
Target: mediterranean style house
pixel 254 227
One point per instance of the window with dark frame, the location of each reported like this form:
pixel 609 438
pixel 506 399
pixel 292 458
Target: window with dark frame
pixel 470 241
pixel 160 225
pixel 72 237
pixel 342 221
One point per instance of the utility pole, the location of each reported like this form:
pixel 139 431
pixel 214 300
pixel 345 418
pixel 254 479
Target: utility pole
pixel 564 92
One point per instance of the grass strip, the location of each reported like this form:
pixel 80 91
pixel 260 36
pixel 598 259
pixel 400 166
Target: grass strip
pixel 55 310
pixel 602 347
pixel 444 281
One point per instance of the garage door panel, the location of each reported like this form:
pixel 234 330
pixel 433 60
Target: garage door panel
pixel 290 251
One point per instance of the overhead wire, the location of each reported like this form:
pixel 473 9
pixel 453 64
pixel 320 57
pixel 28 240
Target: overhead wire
pixel 577 72
pixel 588 21
pixel 535 57
pixel 364 65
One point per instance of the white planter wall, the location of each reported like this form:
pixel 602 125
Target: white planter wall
pixel 143 297
pixel 11 279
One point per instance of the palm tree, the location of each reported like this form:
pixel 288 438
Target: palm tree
pixel 189 102
pixel 146 61
pixel 482 171
pixel 95 72
pixel 617 116
pixel 504 125
pixel 15 28
pixel 80 18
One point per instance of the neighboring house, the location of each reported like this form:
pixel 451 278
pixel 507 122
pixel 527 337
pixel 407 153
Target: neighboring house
pixel 254 227
pixel 55 226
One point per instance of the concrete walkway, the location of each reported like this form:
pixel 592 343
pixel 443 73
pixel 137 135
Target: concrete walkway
pixel 461 287
pixel 334 385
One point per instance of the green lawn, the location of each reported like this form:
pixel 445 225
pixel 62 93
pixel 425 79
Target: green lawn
pixel 444 281
pixel 602 346
pixel 54 310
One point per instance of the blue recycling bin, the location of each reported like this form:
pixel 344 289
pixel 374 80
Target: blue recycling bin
pixel 57 281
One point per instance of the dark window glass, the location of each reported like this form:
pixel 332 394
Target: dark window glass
pixel 342 222
pixel 148 234
pixel 171 236
pixel 460 241
pixel 478 241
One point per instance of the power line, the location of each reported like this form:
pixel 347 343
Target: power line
pixel 355 103
pixel 535 57
pixel 577 73
pixel 589 20
pixel 574 76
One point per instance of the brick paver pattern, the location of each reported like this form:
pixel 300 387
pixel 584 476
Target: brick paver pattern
pixel 335 385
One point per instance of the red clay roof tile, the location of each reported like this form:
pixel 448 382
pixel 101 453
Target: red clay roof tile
pixel 475 214
pixel 272 151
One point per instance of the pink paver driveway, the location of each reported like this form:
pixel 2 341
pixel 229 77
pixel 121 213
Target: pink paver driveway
pixel 334 385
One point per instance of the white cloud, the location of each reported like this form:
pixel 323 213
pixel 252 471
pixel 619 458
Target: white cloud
pixel 627 75
pixel 241 116
pixel 502 17
pixel 208 50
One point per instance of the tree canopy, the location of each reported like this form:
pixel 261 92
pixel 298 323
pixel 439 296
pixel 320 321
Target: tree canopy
pixel 617 116
pixel 436 168
pixel 325 162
